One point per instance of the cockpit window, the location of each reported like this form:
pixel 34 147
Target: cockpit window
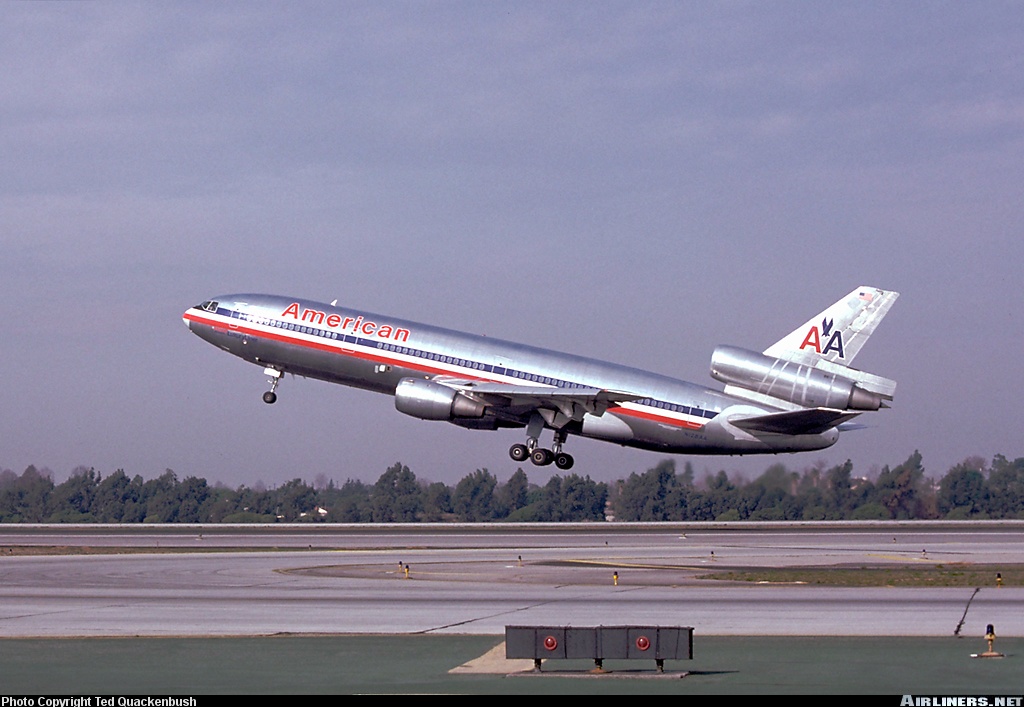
pixel 208 306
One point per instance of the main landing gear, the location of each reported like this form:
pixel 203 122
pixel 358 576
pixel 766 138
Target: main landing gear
pixel 540 456
pixel 270 397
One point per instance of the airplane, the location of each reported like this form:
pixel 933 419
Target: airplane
pixel 794 396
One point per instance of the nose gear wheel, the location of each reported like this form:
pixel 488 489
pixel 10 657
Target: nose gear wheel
pixel 270 397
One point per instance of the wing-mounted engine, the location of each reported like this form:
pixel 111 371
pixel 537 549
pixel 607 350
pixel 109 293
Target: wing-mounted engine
pixel 429 400
pixel 765 378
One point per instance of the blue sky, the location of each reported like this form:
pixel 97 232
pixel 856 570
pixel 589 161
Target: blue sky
pixel 635 181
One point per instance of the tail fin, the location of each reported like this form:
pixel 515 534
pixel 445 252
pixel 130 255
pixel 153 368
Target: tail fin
pixel 837 334
pixel 832 339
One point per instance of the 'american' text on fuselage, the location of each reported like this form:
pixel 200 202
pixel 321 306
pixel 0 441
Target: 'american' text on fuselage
pixel 336 321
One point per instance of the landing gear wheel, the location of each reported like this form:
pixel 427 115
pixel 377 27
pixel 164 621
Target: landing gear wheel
pixel 518 452
pixel 563 460
pixel 270 397
pixel 542 457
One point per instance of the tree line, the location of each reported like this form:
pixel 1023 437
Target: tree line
pixel 397 497
pixel 970 490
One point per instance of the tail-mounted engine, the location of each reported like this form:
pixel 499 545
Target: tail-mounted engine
pixel 428 400
pixel 800 384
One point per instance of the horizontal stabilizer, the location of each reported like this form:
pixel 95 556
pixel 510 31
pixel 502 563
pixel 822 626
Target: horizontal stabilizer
pixel 796 422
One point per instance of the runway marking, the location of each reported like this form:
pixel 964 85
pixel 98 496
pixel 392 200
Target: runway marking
pixel 631 565
pixel 906 558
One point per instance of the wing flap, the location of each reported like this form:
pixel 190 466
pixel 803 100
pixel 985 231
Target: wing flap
pixel 538 393
pixel 573 403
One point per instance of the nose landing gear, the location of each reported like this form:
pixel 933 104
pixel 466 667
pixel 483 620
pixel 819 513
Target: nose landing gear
pixel 270 397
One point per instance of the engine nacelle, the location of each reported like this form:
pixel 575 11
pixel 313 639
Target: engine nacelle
pixel 428 400
pixel 803 385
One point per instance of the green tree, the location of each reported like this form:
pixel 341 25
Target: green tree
pixel 194 500
pixel 870 511
pixel 582 499
pixel 396 497
pixel 963 492
pixel 221 504
pixel 350 503
pixel 837 493
pixel 437 502
pixel 901 491
pixel 512 496
pixel 769 497
pixel 160 498
pixel 473 497
pixel 1006 488
pixel 71 501
pixel 26 498
pixel 295 500
pixel 117 499
pixel 718 501
pixel 655 495
pixel 546 505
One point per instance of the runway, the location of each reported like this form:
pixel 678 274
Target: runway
pixel 475 580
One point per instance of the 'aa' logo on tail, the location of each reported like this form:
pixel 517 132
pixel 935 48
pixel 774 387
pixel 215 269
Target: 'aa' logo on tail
pixel 815 336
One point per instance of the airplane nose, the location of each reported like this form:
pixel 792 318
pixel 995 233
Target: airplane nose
pixel 185 319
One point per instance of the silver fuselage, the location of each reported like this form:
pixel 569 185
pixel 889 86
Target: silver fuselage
pixel 375 352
